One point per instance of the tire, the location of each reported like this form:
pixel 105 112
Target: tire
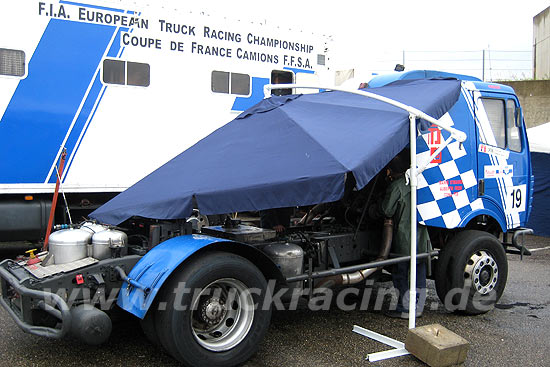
pixel 148 326
pixel 209 329
pixel 471 272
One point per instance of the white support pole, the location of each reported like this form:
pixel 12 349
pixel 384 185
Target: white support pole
pixel 414 184
pixel 414 114
pixel 378 337
pixel 398 347
pixel 387 354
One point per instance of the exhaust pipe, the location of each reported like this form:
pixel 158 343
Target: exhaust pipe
pixel 361 275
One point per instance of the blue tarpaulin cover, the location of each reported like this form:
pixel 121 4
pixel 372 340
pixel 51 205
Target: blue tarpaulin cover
pixel 538 220
pixel 539 145
pixel 284 151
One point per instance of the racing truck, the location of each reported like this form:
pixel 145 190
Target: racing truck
pixel 182 249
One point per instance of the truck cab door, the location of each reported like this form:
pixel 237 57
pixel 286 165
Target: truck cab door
pixel 502 155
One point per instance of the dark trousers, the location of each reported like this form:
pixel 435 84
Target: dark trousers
pixel 400 278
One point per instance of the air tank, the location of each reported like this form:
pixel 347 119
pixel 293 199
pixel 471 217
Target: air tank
pixel 289 257
pixel 93 228
pixel 109 243
pixel 68 245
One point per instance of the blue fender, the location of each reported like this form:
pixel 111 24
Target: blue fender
pixel 490 209
pixel 148 275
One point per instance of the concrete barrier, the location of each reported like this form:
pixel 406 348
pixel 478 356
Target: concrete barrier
pixel 534 96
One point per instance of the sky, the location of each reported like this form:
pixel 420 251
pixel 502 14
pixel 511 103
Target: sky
pixel 371 36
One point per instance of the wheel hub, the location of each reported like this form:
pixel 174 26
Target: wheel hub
pixel 485 275
pixel 481 272
pixel 220 323
pixel 213 311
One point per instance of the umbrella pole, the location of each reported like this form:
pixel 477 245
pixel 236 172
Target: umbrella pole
pixel 399 347
pixel 414 184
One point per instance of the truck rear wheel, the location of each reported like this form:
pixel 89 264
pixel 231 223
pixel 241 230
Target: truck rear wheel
pixel 220 318
pixel 471 272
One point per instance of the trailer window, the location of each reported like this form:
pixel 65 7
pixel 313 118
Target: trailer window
pixel 495 112
pixel 220 82
pixel 113 72
pixel 126 73
pixel 513 126
pixel 233 83
pixel 138 74
pixel 12 62
pixel 282 77
pixel 240 84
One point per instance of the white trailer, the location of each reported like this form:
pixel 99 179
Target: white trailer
pixel 120 85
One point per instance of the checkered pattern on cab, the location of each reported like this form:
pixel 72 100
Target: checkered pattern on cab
pixel 447 191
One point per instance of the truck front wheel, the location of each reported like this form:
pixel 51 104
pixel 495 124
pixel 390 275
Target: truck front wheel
pixel 471 272
pixel 212 312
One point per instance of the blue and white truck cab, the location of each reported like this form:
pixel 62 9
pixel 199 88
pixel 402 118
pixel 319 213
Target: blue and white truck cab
pixel 473 195
pixel 475 191
pixel 488 177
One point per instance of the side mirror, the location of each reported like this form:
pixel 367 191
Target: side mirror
pixel 519 117
pixel 399 67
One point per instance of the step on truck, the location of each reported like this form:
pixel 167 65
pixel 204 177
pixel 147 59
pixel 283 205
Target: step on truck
pixel 188 258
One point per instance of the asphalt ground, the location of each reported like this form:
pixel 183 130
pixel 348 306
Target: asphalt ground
pixel 515 333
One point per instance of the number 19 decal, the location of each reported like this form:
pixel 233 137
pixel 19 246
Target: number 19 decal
pixel 516 198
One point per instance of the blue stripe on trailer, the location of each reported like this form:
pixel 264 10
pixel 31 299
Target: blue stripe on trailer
pixel 115 47
pixel 84 133
pixel 59 73
pixel 94 96
pixel 80 124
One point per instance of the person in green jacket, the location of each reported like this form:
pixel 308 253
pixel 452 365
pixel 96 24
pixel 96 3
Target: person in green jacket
pixel 397 205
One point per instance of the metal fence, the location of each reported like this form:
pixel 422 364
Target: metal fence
pixel 488 65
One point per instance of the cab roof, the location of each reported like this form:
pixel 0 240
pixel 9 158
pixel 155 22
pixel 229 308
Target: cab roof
pixel 382 80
